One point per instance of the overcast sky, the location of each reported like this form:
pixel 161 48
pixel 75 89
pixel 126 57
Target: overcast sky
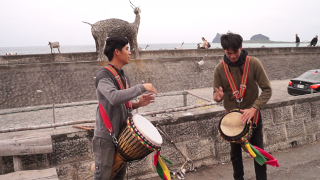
pixel 35 22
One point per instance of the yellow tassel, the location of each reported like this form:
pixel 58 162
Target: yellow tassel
pixel 250 150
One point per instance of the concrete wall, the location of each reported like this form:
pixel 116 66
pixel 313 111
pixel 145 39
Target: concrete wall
pixel 218 51
pixel 31 80
pixel 286 122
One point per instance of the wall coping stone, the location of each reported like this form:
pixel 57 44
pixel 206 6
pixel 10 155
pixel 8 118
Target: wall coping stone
pixel 150 54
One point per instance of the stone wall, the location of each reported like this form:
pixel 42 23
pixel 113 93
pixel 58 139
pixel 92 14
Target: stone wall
pixel 286 123
pixel 32 80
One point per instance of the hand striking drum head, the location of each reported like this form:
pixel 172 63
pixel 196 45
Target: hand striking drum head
pixel 231 124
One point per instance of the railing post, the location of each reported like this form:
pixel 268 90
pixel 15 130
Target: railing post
pixel 185 99
pixel 54 117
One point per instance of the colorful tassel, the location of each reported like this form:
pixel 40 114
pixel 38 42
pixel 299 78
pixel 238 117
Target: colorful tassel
pixel 271 161
pixel 259 158
pixel 162 169
pixel 167 160
pixel 248 147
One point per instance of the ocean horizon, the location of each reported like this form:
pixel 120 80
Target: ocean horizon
pixel 157 46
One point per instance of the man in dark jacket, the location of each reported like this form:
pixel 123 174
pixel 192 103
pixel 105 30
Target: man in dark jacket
pixel 250 103
pixel 297 40
pixel 314 41
pixel 113 102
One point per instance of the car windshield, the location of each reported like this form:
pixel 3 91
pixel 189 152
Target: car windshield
pixel 312 75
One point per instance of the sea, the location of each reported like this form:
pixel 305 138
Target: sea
pixel 160 46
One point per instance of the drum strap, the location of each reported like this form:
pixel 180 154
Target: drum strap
pixel 107 123
pixel 103 113
pixel 119 81
pixel 238 95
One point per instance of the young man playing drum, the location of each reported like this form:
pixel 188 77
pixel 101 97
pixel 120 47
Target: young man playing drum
pixel 114 96
pixel 239 88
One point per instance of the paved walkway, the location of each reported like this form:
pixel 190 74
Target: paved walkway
pixel 297 163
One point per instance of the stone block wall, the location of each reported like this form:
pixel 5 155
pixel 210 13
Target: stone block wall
pixel 286 123
pixel 32 80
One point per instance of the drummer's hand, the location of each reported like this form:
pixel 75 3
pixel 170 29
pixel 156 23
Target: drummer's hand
pixel 146 99
pixel 218 94
pixel 247 115
pixel 149 87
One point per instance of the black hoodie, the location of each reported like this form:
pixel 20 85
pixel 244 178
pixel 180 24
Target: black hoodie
pixel 241 60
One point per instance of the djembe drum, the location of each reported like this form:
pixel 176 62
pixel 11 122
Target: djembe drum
pixel 233 130
pixel 136 141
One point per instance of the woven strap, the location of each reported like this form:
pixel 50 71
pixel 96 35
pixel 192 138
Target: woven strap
pixel 103 113
pixel 120 83
pixel 238 95
pixel 105 118
pixel 255 118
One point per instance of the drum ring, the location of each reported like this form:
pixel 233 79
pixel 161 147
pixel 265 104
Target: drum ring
pixel 247 131
pixel 141 136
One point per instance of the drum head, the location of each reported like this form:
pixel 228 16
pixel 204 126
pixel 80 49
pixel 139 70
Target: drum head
pixel 147 129
pixel 231 125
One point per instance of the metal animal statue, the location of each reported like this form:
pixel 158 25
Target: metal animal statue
pixel 54 45
pixel 116 27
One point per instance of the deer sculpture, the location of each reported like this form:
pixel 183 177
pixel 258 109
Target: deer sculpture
pixel 54 45
pixel 116 27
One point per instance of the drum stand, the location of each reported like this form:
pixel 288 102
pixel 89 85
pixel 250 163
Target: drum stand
pixel 187 166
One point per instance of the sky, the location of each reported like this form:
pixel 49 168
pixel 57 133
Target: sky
pixel 35 22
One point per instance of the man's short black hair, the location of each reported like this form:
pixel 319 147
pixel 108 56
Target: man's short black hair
pixel 113 43
pixel 231 41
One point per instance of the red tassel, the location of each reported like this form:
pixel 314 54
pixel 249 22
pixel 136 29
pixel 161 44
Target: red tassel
pixel 155 159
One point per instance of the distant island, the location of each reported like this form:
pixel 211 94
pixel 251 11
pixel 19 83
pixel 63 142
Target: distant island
pixel 258 38
pixel 217 38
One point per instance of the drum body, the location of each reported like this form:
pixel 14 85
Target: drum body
pixel 232 129
pixel 136 141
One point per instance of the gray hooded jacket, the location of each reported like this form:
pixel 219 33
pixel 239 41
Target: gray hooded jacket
pixel 113 100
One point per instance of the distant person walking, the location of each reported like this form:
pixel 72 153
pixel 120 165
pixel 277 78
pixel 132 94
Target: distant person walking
pixel 314 41
pixel 297 40
pixel 204 44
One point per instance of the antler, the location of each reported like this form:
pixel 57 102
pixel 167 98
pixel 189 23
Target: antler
pixel 131 3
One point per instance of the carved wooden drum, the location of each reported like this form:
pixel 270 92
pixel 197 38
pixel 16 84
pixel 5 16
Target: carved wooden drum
pixel 136 141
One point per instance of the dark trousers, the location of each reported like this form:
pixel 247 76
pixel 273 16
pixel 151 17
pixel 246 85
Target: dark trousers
pixel 236 155
pixel 104 151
